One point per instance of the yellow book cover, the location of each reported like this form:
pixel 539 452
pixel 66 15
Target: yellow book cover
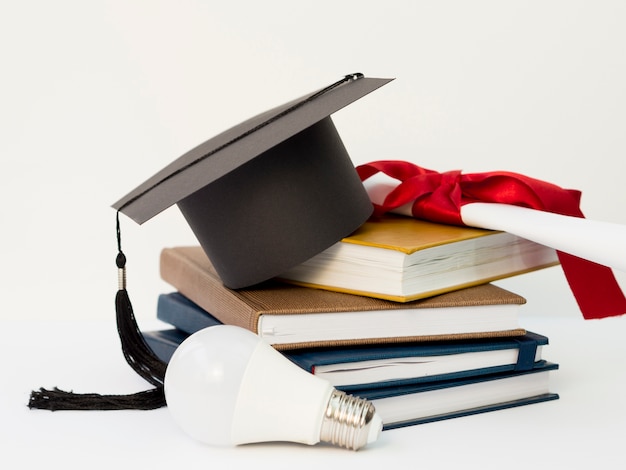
pixel 408 235
pixel 401 258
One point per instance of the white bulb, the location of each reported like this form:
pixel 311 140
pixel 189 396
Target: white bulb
pixel 226 386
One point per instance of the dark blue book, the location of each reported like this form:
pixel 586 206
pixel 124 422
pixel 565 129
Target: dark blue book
pixel 375 365
pixel 425 399
pixel 177 310
pixel 424 403
pixel 417 362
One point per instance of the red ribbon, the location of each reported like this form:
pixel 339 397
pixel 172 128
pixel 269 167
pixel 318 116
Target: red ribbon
pixel 439 197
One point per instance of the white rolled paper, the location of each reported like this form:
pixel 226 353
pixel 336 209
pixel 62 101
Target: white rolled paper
pixel 601 242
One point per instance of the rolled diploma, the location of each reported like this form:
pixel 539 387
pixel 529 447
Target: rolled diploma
pixel 601 242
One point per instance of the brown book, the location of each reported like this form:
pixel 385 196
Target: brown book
pixel 290 316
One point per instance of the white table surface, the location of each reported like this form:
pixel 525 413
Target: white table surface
pixel 583 428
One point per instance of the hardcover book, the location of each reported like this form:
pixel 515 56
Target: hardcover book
pixel 290 316
pixel 352 368
pixel 402 258
pixel 435 401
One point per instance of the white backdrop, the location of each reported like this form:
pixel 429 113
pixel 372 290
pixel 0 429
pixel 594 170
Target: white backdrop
pixel 97 96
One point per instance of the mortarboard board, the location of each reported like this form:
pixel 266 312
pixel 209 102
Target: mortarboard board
pixel 269 193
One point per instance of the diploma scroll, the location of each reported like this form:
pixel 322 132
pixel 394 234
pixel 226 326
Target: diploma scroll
pixel 601 242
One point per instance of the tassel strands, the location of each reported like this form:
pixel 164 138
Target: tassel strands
pixel 55 399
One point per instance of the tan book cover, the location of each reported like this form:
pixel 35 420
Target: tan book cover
pixel 402 259
pixel 290 316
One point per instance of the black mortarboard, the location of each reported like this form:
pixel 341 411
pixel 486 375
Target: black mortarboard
pixel 261 197
pixel 268 193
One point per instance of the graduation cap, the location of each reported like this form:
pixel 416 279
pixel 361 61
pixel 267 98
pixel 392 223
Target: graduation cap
pixel 260 198
pixel 268 193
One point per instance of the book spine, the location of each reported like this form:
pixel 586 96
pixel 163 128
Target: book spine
pixel 180 312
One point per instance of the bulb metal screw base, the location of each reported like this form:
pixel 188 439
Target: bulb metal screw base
pixel 349 421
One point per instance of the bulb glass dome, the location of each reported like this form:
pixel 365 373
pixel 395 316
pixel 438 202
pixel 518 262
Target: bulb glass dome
pixel 226 386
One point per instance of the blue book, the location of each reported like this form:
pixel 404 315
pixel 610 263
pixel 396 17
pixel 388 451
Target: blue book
pixel 424 403
pixel 376 365
pixel 425 399
pixel 177 310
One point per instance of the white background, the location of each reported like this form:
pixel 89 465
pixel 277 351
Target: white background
pixel 96 96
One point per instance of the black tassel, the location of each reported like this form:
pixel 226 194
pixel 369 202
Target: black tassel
pixel 136 352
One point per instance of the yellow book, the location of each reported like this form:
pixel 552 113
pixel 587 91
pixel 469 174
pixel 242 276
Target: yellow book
pixel 401 258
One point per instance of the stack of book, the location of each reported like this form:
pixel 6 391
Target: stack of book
pixel 402 312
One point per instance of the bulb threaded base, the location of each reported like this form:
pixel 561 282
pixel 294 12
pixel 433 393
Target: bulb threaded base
pixel 349 421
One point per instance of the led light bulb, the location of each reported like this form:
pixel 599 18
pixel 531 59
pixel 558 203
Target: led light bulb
pixel 226 386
